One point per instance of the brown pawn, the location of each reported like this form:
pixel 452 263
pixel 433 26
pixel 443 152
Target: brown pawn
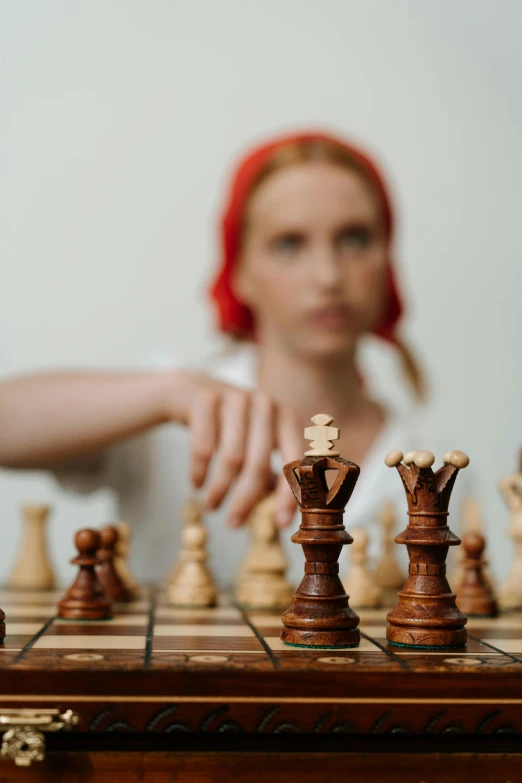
pixel 474 595
pixel 107 574
pixel 320 615
pixel 85 599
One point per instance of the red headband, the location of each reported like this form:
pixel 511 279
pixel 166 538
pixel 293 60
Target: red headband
pixel 234 316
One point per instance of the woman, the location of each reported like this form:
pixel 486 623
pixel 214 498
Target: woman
pixel 306 273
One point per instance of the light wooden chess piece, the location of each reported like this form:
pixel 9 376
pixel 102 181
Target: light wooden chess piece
pixel 359 582
pixel 472 522
pixel 388 576
pixel 33 569
pixel 191 583
pixel 261 582
pixel 120 559
pixel 510 592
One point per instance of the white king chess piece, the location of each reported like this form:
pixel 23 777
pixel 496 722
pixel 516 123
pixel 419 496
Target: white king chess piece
pixel 322 436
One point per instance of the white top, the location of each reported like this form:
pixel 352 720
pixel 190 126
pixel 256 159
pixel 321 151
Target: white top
pixel 150 476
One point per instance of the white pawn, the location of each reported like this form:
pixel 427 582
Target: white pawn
pixel 33 569
pixel 359 582
pixel 191 583
pixel 121 553
pixel 261 582
pixel 510 592
pixel 388 576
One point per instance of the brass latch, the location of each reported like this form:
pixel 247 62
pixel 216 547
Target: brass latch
pixel 24 741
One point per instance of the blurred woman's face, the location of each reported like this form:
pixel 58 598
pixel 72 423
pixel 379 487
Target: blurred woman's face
pixel 313 259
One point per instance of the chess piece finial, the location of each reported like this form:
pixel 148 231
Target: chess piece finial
pixel 474 594
pixel 320 615
pixel 86 599
pixel 426 615
pixel 322 437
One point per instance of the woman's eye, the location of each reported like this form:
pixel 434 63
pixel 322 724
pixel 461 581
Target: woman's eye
pixel 287 243
pixel 357 238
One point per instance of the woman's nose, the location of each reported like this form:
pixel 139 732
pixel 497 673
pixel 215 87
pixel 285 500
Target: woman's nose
pixel 325 267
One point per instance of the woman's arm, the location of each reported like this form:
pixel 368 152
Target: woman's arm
pixel 53 419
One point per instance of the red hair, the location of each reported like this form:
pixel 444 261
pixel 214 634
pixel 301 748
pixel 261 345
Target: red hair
pixel 235 317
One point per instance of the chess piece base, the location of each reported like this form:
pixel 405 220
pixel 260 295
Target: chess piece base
pixel 264 592
pixel 199 597
pixel 71 609
pixel 427 638
pixel 330 640
pixel 475 607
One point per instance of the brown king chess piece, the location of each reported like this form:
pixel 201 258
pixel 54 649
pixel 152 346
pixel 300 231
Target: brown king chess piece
pixel 474 593
pixel 320 615
pixel 110 579
pixel 426 615
pixel 85 599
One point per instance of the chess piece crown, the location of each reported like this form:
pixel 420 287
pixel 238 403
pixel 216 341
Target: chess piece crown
pixel 428 492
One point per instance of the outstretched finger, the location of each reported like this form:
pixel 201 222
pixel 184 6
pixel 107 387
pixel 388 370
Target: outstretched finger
pixel 204 426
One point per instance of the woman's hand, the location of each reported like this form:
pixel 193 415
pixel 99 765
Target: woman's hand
pixel 233 434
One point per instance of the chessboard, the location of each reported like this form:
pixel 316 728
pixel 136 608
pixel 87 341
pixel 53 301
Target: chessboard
pixel 158 668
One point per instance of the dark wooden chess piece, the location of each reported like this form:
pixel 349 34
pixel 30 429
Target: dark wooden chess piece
pixel 426 615
pixel 107 574
pixel 320 615
pixel 85 599
pixel 474 594
pixel 2 625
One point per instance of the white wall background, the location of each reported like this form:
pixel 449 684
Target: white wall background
pixel 119 120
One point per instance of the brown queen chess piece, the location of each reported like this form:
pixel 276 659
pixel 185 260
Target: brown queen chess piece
pixel 426 615
pixel 321 615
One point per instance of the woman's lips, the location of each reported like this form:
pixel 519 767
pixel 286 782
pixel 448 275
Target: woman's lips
pixel 335 317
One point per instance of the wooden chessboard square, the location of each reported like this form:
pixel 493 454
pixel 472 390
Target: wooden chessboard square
pixel 139 620
pixel 90 642
pixel 218 613
pixel 135 607
pixel 29 613
pixel 93 628
pixel 23 628
pixel 473 647
pixel 193 644
pixel 211 630
pixel 265 619
pixel 275 644
pixel 509 645
pixel 14 641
